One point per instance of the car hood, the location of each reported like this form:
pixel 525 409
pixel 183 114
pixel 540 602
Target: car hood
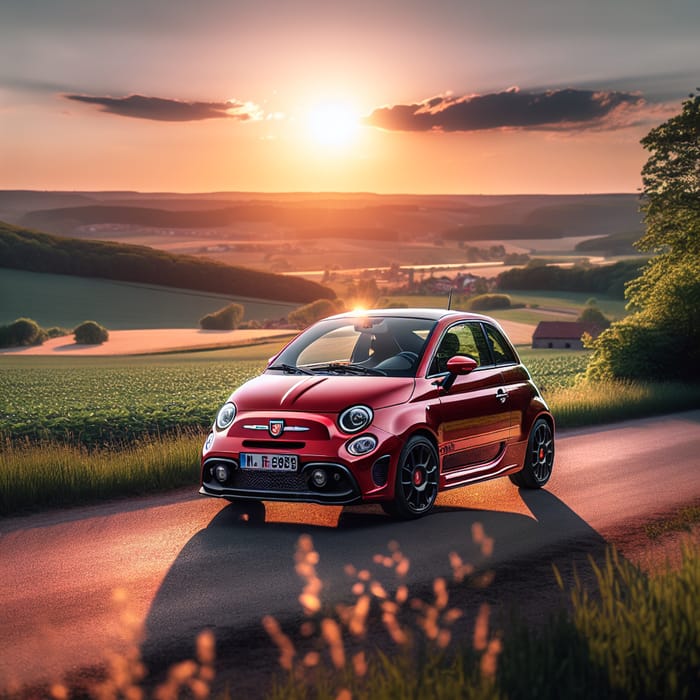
pixel 321 394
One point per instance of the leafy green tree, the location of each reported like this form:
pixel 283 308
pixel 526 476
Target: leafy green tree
pixel 489 302
pixel 22 331
pixel 661 339
pixel 593 316
pixel 90 333
pixel 225 319
pixel 310 313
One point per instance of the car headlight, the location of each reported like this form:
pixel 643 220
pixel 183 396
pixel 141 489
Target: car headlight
pixel 225 416
pixel 361 445
pixel 355 418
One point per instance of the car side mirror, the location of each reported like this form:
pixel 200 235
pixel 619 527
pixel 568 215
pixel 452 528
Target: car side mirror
pixel 459 364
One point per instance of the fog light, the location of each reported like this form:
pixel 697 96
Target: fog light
pixel 319 478
pixel 221 473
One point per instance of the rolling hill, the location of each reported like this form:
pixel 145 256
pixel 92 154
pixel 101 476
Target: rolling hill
pixel 25 249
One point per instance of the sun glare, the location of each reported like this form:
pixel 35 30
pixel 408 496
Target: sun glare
pixel 333 124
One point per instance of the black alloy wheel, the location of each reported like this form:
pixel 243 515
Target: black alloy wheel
pixel 539 458
pixel 417 477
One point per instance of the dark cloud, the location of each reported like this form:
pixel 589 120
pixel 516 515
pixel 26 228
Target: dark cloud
pixel 553 109
pixel 164 110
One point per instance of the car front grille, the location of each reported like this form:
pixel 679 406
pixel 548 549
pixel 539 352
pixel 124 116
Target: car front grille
pixel 258 480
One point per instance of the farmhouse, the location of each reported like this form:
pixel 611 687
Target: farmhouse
pixel 562 334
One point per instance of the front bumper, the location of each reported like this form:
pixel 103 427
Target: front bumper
pixel 315 439
pixel 341 488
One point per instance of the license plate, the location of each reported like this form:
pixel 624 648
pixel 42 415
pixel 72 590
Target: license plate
pixel 272 462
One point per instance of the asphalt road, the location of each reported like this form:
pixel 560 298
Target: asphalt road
pixel 76 583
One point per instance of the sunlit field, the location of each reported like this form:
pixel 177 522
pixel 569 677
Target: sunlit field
pixel 94 401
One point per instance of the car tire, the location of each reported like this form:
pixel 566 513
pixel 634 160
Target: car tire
pixel 539 458
pixel 417 475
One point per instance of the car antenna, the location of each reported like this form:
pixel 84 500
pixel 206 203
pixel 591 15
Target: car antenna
pixel 449 299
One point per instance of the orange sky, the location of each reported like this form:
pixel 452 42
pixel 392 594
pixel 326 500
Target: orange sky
pixel 447 97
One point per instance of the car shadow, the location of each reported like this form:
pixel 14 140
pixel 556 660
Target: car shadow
pixel 241 567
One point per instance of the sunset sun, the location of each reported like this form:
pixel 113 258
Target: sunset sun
pixel 332 124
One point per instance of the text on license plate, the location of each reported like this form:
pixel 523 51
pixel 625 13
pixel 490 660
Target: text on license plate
pixel 254 460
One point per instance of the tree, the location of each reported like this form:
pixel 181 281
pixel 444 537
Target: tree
pixel 90 333
pixel 593 316
pixel 22 331
pixel 662 336
pixel 310 313
pixel 225 319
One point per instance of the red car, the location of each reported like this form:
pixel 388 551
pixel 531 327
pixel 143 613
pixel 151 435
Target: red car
pixel 386 406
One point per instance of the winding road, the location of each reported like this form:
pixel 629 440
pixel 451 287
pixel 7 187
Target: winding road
pixel 76 583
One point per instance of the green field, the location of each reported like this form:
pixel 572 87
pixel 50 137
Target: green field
pixel 573 302
pixel 106 400
pixel 66 301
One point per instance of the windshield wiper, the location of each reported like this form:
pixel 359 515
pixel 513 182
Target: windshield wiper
pixel 342 368
pixel 291 369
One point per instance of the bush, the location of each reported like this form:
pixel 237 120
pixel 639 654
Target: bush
pixel 226 319
pixel 487 302
pixel 593 316
pixel 90 333
pixel 310 313
pixel 252 324
pixel 22 332
pixel 633 349
pixel 56 332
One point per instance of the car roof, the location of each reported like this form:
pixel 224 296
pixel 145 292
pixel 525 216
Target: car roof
pixel 424 313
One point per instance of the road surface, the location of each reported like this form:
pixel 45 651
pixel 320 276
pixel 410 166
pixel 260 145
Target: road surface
pixel 73 583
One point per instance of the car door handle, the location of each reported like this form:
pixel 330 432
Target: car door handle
pixel 502 395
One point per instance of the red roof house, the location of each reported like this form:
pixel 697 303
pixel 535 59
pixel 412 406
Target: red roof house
pixel 562 334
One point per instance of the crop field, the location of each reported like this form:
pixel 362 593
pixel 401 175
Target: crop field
pixel 554 369
pixel 118 400
pixel 95 405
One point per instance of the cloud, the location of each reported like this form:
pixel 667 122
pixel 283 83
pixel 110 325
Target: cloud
pixel 165 110
pixel 556 110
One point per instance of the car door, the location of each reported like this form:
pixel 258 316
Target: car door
pixel 516 386
pixel 472 418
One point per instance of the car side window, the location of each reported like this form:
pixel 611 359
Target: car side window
pixel 461 339
pixel 502 352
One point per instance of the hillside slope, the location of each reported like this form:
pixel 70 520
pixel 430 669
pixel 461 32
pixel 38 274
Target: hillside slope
pixel 24 249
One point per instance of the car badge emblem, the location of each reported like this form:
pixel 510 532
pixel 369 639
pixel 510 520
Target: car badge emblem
pixel 276 428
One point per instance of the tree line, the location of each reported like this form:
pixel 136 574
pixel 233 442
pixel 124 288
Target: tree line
pixel 598 279
pixel 23 249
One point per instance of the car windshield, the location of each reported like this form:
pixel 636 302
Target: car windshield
pixel 373 345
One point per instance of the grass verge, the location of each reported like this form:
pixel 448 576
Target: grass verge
pixel 605 402
pixel 684 520
pixel 630 636
pixel 51 474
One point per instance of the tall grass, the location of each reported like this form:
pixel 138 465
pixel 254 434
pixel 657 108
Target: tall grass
pixel 592 403
pixel 629 636
pixel 35 475
pixel 625 635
